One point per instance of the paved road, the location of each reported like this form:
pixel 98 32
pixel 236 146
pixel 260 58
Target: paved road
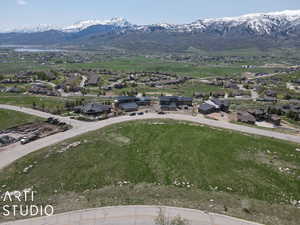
pixel 79 128
pixel 131 215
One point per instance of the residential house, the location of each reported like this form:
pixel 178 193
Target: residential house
pixel 259 114
pixel 223 105
pixel 170 103
pixel 245 117
pixel 13 90
pixel 143 101
pixel 93 80
pixel 127 103
pixel 93 109
pixel 275 119
pixel 206 108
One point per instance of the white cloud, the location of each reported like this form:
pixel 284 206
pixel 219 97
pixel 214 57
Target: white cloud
pixel 22 2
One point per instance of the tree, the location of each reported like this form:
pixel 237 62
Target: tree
pixel 41 75
pixel 34 105
pixel 287 96
pixel 83 91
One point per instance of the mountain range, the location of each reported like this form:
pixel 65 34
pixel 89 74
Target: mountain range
pixel 262 30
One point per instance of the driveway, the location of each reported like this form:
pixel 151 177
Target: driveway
pixel 80 127
pixel 131 215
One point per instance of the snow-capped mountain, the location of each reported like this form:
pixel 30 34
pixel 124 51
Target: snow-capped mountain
pixel 118 22
pixel 260 30
pixel 259 23
pixel 79 26
pixel 28 29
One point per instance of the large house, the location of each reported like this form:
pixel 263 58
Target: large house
pixel 170 103
pixel 127 103
pixel 206 108
pixel 93 80
pixel 214 105
pixel 223 105
pixel 13 90
pixel 132 103
pixel 143 101
pixel 246 117
pixel 40 89
pixel 93 109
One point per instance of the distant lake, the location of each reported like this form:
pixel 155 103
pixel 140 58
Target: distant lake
pixel 37 50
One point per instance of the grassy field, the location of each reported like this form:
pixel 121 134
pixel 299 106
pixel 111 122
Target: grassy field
pixel 190 88
pixel 9 118
pixel 156 65
pixel 42 102
pixel 187 89
pixel 132 64
pixel 170 163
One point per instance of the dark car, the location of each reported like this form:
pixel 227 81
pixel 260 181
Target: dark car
pixel 140 113
pixel 132 114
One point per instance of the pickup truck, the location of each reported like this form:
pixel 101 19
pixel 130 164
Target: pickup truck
pixel 26 140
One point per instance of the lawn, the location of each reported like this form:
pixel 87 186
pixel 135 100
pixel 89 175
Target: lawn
pixel 51 104
pixel 9 118
pixel 166 162
pixel 187 89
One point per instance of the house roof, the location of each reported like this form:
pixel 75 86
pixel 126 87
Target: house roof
pixel 175 98
pixel 171 105
pixel 168 98
pixel 245 117
pixel 94 108
pixel 128 106
pixel 187 99
pixel 206 107
pixel 93 79
pixel 220 102
pixel 144 98
pixel 13 89
pixel 126 98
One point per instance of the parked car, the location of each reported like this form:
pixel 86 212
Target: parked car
pixel 26 140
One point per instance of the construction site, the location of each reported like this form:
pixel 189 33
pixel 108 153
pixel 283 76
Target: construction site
pixel 29 132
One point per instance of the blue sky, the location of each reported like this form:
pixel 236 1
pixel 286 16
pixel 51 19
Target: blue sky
pixel 16 13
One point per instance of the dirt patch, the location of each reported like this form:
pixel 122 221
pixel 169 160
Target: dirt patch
pixel 271 159
pixel 221 116
pixel 117 138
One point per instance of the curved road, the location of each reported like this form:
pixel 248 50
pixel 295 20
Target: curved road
pixel 131 215
pixel 10 155
pixel 124 215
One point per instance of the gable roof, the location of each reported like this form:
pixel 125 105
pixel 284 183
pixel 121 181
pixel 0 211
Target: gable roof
pixel 206 107
pixel 91 108
pixel 129 106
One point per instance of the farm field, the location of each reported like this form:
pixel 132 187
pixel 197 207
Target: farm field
pixel 169 163
pixel 138 64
